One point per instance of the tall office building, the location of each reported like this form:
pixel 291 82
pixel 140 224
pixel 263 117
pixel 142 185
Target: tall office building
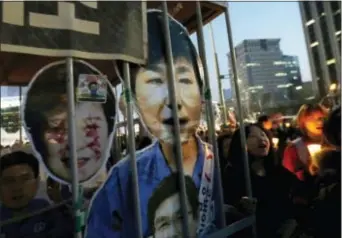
pixel 322 29
pixel 263 73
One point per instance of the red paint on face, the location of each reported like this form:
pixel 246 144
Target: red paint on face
pixel 90 131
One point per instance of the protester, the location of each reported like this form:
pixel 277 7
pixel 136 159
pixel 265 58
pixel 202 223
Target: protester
pixel 265 122
pixel 327 204
pixel 271 183
pixel 296 159
pixel 18 187
pixel 223 142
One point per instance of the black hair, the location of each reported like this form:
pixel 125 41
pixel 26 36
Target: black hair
pixel 92 83
pixel 168 187
pixel 182 46
pixel 42 98
pixel 235 154
pixel 263 118
pixel 220 145
pixel 18 158
pixel 332 127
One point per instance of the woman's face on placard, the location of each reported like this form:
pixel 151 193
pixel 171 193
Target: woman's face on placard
pixel 154 103
pixel 91 140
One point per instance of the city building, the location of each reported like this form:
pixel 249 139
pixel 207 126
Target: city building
pixel 265 74
pixel 292 70
pixel 321 22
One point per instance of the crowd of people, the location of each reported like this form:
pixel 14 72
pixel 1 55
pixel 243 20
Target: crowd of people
pixel 294 171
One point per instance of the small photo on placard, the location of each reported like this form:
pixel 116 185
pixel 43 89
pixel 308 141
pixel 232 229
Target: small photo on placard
pixel 92 88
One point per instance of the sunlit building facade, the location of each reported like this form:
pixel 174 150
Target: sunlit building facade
pixel 322 29
pixel 265 74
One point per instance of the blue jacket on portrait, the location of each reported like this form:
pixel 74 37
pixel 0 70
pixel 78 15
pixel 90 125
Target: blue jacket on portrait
pixel 112 209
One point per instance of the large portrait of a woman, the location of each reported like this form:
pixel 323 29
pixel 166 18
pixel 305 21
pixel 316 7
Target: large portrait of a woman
pixel 45 116
pixel 114 201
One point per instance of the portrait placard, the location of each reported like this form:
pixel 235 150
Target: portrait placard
pixel 45 118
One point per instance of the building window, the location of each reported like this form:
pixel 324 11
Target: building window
pixel 331 61
pixel 279 63
pixel 252 64
pixel 281 74
pixel 314 44
pixel 310 22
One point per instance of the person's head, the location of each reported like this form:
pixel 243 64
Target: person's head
pixel 93 86
pixel 164 209
pixel 223 143
pixel 150 83
pixel 19 179
pixel 46 122
pixel 310 120
pixel 332 128
pixel 265 121
pixel 257 144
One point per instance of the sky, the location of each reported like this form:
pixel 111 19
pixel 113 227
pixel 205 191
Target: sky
pixel 256 20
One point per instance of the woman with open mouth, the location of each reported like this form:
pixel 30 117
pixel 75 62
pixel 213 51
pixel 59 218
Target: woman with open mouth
pixel 297 159
pixel 271 183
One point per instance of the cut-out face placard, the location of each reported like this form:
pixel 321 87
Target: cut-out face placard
pixel 150 86
pixel 45 115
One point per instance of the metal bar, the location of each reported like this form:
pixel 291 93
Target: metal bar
pixel 321 50
pixel 233 228
pixel 124 116
pixel 218 75
pixel 238 101
pixel 0 126
pixel 131 147
pixel 332 38
pixel 72 142
pixel 0 117
pixel 210 114
pixel 34 213
pixel 20 116
pixel 239 108
pixel 177 142
pixel 309 49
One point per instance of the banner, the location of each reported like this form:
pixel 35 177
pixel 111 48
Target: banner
pixel 45 117
pixel 99 30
